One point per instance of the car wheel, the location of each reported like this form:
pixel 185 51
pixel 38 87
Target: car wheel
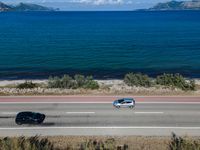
pixel 18 123
pixel 131 107
pixel 39 122
pixel 118 107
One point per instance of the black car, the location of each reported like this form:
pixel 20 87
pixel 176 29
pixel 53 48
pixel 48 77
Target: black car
pixel 29 118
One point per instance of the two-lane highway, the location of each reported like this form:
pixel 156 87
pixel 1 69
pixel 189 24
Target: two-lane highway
pixel 101 118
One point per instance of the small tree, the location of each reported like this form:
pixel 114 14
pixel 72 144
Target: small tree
pixel 137 79
pixel 80 80
pixel 175 80
pixel 54 82
pixel 90 83
pixel 192 85
pixel 68 82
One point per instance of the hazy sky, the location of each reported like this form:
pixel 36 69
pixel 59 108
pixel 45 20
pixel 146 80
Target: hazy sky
pixel 92 4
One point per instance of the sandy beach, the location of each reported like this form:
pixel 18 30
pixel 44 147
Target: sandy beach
pixel 15 82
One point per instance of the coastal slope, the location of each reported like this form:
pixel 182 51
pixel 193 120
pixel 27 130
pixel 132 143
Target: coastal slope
pixel 177 5
pixel 24 7
pixel 4 7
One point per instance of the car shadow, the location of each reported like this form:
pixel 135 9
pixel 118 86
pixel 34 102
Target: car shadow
pixel 47 124
pixel 6 117
pixel 39 125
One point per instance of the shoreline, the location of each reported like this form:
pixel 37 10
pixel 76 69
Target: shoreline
pixel 107 88
pixel 10 82
pixel 101 81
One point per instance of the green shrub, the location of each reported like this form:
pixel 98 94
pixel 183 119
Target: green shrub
pixel 137 79
pixel 192 85
pixel 67 82
pixel 54 82
pixel 175 80
pixel 27 85
pixel 90 83
pixel 80 80
pixel 64 82
pixel 22 143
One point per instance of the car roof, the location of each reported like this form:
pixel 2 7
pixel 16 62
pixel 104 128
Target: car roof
pixel 26 113
pixel 128 99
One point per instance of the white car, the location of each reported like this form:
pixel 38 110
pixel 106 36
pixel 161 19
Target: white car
pixel 124 102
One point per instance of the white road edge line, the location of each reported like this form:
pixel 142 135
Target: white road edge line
pixel 80 112
pixel 13 113
pixel 149 112
pixel 126 127
pixel 57 102
pixel 96 103
pixel 55 96
pixel 167 103
pixel 8 113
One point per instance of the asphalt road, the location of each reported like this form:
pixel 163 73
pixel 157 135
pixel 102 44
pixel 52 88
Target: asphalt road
pixel 149 119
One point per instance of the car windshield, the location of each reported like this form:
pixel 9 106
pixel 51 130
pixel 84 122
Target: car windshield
pixel 120 101
pixel 36 115
pixel 29 114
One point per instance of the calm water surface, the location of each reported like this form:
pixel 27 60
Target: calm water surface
pixel 103 44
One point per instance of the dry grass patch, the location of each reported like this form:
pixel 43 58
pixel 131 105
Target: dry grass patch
pixel 100 143
pixel 111 142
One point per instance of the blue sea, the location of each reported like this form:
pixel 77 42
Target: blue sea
pixel 35 45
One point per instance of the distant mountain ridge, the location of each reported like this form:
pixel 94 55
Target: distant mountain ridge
pixel 4 7
pixel 24 7
pixel 178 5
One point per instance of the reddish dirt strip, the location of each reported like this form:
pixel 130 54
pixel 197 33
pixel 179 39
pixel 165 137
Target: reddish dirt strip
pixel 95 99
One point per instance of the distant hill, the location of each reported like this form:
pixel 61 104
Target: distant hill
pixel 24 7
pixel 31 7
pixel 4 7
pixel 178 5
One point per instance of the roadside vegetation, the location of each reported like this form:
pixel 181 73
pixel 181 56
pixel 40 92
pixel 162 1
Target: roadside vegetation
pixel 180 143
pixel 137 79
pixel 167 80
pixel 175 80
pixel 27 85
pixel 22 143
pixel 100 143
pixel 130 79
pixel 68 82
pixel 132 84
